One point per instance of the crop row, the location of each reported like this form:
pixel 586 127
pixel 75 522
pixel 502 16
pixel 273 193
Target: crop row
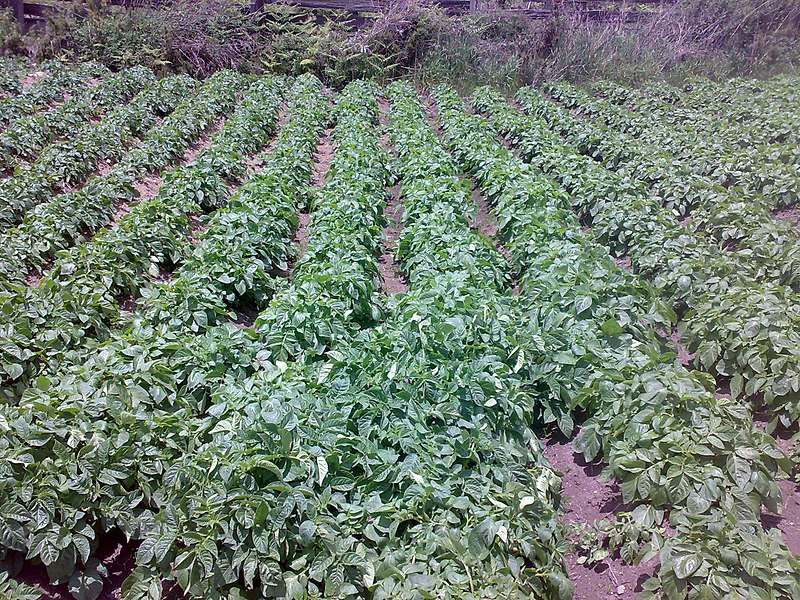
pixel 78 299
pixel 693 134
pixel 156 373
pixel 731 159
pixel 661 430
pixel 373 467
pixel 232 526
pixel 739 221
pixel 743 331
pixel 463 362
pixel 69 218
pixel 61 79
pixel 11 73
pixel 24 139
pixel 769 107
pixel 334 284
pixel 71 161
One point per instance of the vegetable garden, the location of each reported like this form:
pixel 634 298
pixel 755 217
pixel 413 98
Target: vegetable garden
pixel 200 356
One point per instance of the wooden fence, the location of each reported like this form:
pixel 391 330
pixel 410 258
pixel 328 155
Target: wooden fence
pixel 600 10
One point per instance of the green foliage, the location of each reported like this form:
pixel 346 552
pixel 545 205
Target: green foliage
pixel 13 590
pixel 671 441
pixel 11 41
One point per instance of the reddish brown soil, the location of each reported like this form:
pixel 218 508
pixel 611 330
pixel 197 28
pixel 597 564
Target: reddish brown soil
pixel 196 228
pixel 148 186
pixel 245 316
pixel 34 278
pixel 788 522
pixel 33 78
pixel 301 236
pixel 791 213
pixel 392 281
pixel 589 500
pixel 204 141
pixel 115 552
pixel 127 304
pixel 255 164
pixel 624 262
pixel 322 165
pixel 485 221
pixel 391 274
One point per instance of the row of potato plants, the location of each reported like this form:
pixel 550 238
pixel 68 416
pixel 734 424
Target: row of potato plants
pixel 78 299
pixel 769 106
pixel 23 140
pixel 729 158
pixel 694 135
pixel 159 371
pixel 464 342
pixel 741 330
pixel 232 529
pixel 60 79
pixel 663 433
pixel 742 223
pixel 71 161
pixel 369 468
pixel 12 70
pixel 71 218
pixel 334 284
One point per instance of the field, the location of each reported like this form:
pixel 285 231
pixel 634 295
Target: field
pixel 264 339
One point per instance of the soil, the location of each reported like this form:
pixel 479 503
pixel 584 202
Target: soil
pixel 391 274
pixel 115 552
pixel 301 236
pixel 788 522
pixel 127 304
pixel 245 316
pixel 204 141
pixel 624 262
pixel 322 165
pixel 791 213
pixel 196 228
pixel 148 186
pixel 255 164
pixel 485 221
pixel 589 500
pixel 33 78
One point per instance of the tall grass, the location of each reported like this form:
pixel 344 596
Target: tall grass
pixel 415 38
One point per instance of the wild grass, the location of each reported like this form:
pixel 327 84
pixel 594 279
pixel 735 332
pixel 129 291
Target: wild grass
pixel 413 38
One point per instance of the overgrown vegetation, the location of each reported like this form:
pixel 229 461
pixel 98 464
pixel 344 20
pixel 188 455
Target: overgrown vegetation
pixel 718 38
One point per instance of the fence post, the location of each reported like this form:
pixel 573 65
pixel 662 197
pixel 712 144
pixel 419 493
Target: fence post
pixel 18 8
pixel 473 5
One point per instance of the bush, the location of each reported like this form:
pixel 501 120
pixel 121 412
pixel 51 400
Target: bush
pixel 716 38
pixel 11 41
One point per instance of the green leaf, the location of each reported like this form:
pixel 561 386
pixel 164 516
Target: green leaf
pixel 686 564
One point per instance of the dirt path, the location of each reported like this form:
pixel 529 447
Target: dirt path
pixel 319 177
pixel 589 500
pixel 789 213
pixel 392 279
